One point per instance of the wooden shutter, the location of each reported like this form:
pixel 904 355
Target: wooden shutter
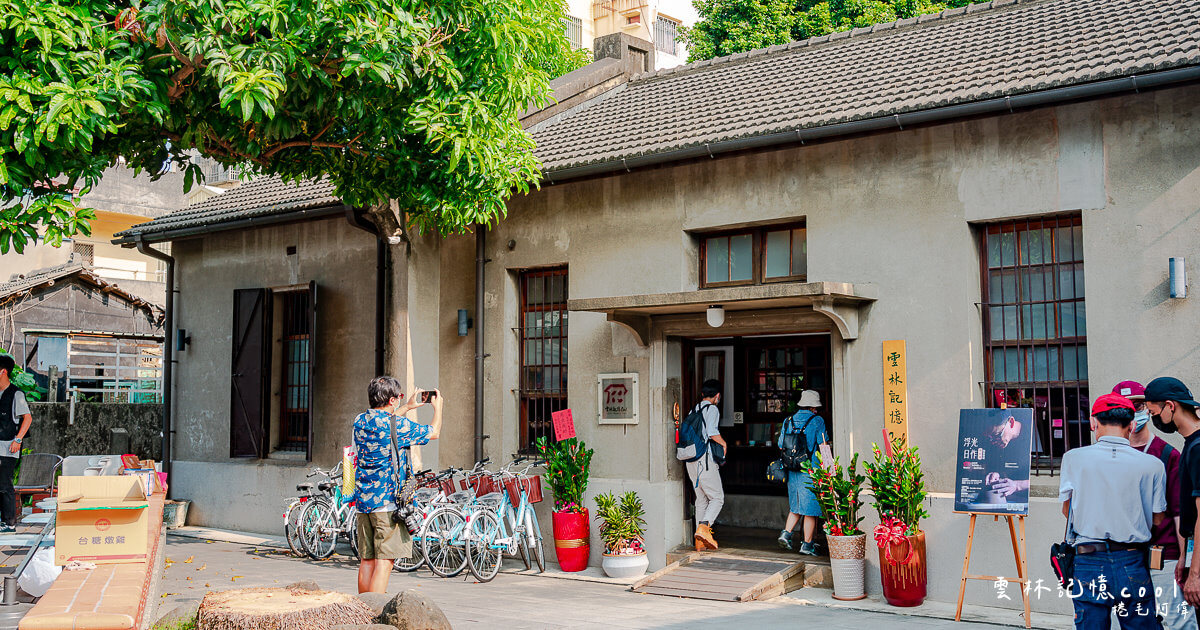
pixel 250 373
pixel 312 353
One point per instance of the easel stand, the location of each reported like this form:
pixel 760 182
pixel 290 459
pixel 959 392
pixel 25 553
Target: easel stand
pixel 1018 545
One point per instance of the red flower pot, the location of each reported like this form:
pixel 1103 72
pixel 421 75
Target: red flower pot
pixel 571 535
pixel 902 570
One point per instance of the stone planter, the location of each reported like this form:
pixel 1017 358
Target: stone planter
pixel 847 559
pixel 625 565
pixel 902 570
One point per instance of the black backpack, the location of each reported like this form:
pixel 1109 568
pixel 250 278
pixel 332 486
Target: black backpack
pixel 691 443
pixel 794 446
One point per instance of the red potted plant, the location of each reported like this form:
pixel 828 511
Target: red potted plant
pixel 567 465
pixel 899 487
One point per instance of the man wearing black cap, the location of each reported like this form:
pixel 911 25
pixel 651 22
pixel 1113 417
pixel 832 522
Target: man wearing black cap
pixel 1173 409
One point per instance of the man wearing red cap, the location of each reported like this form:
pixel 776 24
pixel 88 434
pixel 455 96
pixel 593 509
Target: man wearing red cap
pixel 1168 593
pixel 1113 496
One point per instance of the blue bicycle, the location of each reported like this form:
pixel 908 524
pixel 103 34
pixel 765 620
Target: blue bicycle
pixel 495 527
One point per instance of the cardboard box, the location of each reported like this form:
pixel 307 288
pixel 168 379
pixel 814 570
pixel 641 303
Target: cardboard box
pixel 104 520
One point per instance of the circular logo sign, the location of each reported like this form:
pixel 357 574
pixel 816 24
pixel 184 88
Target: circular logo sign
pixel 103 524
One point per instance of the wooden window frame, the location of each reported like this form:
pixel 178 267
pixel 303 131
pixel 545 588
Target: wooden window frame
pixel 758 254
pixel 527 395
pixel 1058 391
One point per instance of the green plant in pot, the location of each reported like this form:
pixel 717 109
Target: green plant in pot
pixel 622 528
pixel 838 493
pixel 899 488
pixel 568 463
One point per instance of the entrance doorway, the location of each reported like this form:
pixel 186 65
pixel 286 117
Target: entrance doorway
pixel 762 377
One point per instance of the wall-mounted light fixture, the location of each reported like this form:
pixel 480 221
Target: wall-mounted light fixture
pixel 1178 276
pixel 464 322
pixel 182 340
pixel 715 315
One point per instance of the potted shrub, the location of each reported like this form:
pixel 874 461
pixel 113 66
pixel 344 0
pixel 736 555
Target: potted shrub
pixel 899 488
pixel 838 491
pixel 567 465
pixel 623 533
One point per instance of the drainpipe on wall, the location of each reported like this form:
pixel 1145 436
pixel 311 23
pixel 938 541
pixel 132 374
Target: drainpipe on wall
pixel 480 261
pixel 168 350
pixel 356 219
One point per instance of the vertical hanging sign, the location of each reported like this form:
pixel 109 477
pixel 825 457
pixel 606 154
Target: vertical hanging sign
pixel 895 391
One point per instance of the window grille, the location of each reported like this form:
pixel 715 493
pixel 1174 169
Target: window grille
pixel 574 29
pixel 665 34
pixel 543 349
pixel 1035 330
pixel 294 399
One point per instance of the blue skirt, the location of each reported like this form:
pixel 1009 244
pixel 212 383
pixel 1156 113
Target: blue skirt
pixel 801 499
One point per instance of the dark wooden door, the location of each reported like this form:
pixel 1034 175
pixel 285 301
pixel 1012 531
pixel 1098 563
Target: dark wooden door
pixel 250 373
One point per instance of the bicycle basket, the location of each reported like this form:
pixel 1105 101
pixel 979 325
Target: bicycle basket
pixel 484 484
pixel 447 486
pixel 491 500
pixel 531 485
pixel 425 495
pixel 462 496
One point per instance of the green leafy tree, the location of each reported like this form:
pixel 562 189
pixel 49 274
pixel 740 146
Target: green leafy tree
pixel 732 26
pixel 25 382
pixel 411 100
pixel 726 27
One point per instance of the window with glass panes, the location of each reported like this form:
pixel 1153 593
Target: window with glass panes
pixel 754 256
pixel 1035 329
pixel 543 329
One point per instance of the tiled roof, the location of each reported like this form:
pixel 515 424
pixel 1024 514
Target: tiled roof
pixel 974 53
pixel 21 285
pixel 260 197
pixel 981 51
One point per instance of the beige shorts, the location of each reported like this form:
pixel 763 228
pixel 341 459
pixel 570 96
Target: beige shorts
pixel 379 538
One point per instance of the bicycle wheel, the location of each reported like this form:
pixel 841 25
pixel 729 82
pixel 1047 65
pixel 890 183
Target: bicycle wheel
pixel 521 542
pixel 442 542
pixel 533 534
pixel 351 531
pixel 318 523
pixel 483 555
pixel 291 527
pixel 408 565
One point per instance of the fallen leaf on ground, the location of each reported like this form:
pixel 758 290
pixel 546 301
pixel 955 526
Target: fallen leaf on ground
pixel 235 577
pixel 168 594
pixel 189 560
pixel 202 566
pixel 206 584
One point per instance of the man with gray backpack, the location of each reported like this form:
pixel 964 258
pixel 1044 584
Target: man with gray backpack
pixel 701 448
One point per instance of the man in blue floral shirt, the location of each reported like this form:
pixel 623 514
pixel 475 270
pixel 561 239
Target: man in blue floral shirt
pixel 376 481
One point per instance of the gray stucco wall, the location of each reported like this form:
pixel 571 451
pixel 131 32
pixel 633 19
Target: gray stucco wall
pixel 341 260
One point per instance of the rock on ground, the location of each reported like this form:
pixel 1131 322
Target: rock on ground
pixel 375 601
pixel 303 585
pixel 411 610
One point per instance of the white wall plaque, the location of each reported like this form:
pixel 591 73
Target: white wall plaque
pixel 617 398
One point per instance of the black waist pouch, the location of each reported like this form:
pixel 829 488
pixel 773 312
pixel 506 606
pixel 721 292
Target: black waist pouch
pixel 1062 561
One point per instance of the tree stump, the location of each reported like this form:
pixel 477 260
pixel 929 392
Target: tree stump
pixel 280 609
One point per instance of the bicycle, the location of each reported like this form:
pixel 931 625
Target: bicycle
pixel 442 532
pixel 296 505
pixel 487 530
pixel 327 518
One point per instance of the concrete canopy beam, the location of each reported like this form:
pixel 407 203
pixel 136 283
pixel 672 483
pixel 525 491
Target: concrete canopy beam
pixel 638 325
pixel 845 316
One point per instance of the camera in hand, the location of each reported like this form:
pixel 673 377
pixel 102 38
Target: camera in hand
pixel 428 395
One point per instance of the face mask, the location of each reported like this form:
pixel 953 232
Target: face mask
pixel 1163 426
pixel 1140 419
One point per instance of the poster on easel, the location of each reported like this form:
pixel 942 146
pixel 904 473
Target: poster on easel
pixel 993 461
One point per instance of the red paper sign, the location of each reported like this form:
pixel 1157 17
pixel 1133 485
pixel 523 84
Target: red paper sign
pixel 564 426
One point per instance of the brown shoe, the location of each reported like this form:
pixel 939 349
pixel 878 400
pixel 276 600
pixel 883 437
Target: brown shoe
pixel 704 538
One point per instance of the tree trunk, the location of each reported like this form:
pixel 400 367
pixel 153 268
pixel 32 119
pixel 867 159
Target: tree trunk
pixel 280 609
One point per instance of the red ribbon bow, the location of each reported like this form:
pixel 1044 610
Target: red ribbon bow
pixel 892 531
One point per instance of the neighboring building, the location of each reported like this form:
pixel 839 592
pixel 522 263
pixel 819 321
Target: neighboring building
pixel 71 327
pixel 656 21
pixel 1000 185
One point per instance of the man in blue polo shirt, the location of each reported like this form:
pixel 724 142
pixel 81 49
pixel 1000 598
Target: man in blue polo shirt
pixel 1112 496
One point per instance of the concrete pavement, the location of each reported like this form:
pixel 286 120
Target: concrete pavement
pixel 510 601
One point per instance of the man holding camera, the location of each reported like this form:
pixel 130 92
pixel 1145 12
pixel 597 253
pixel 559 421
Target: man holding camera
pixel 382 436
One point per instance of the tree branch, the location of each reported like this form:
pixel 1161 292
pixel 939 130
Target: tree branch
pixel 315 143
